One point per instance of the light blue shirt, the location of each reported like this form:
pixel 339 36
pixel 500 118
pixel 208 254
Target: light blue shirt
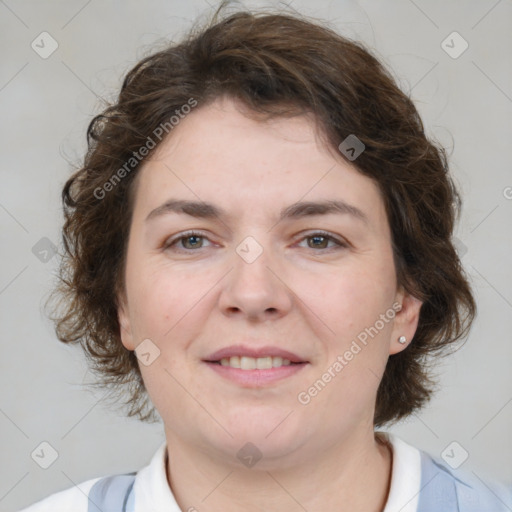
pixel 442 491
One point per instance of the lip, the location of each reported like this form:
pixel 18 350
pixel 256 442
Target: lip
pixel 256 378
pixel 244 350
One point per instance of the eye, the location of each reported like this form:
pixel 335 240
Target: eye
pixel 194 240
pixel 320 239
pixel 191 240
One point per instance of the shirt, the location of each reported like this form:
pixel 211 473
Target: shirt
pixel 419 483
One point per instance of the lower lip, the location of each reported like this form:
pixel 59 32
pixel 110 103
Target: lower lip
pixel 256 378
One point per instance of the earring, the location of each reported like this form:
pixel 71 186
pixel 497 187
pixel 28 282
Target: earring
pixel 402 340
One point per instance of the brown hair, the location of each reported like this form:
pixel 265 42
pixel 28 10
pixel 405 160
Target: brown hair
pixel 277 65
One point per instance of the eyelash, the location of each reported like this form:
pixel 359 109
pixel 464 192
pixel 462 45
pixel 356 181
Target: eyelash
pixel 188 234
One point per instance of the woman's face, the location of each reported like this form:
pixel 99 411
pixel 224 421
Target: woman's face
pixel 260 276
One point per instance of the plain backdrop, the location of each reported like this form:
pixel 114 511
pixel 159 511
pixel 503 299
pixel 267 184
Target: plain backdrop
pixel 46 103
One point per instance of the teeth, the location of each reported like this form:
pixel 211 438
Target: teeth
pixel 252 363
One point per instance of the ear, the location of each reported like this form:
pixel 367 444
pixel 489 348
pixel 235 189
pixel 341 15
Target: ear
pixel 405 322
pixel 125 323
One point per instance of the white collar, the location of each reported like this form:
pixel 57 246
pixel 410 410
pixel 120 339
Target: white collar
pixel 405 476
pixel 151 489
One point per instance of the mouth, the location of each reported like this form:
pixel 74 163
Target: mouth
pixel 246 363
pixel 249 357
pixel 255 368
pixel 256 377
pixel 261 372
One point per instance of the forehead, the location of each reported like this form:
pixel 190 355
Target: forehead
pixel 224 134
pixel 220 155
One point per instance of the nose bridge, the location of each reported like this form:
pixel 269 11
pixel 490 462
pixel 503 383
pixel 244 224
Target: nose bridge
pixel 252 259
pixel 253 286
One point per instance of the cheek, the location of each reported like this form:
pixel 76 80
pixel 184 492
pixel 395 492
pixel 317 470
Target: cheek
pixel 352 298
pixel 358 352
pixel 357 307
pixel 165 300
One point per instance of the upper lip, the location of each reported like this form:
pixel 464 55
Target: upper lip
pixel 243 350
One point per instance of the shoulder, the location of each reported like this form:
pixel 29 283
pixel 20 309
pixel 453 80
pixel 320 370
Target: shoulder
pixel 465 491
pixel 95 495
pixel 111 492
pixel 75 498
pixel 423 483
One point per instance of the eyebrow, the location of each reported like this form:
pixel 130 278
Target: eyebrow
pixel 203 210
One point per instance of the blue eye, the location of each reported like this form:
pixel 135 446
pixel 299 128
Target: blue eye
pixel 194 240
pixel 320 238
pixel 190 238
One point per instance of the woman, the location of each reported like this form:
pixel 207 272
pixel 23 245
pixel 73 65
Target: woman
pixel 259 246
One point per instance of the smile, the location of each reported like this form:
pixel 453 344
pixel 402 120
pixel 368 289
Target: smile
pixel 253 363
pixel 250 376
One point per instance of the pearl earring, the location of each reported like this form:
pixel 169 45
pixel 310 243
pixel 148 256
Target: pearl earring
pixel 402 340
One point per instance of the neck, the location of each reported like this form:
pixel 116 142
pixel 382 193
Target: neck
pixel 351 477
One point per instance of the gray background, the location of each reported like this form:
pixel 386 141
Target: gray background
pixel 46 104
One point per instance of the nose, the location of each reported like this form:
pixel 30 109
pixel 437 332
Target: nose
pixel 256 287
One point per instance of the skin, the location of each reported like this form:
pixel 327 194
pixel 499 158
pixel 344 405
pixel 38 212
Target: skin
pixel 304 295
